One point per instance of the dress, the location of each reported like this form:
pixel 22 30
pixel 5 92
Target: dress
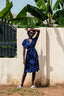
pixel 32 60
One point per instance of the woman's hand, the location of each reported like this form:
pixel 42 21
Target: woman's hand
pixel 27 29
pixel 37 30
pixel 24 61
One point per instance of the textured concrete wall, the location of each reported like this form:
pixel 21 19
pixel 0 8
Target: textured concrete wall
pixel 55 55
pixel 50 48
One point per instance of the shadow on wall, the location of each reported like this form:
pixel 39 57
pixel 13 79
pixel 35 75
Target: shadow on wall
pixel 40 77
pixel 48 67
pixel 45 67
pixel 59 38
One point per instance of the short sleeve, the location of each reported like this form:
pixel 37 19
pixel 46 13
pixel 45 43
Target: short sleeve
pixel 35 38
pixel 24 43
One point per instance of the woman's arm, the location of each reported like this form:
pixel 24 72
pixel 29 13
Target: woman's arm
pixel 38 32
pixel 27 29
pixel 24 61
pixel 32 29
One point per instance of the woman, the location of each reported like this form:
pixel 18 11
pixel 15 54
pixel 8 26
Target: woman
pixel 31 61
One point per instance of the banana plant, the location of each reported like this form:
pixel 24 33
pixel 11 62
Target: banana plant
pixel 46 6
pixel 42 12
pixel 22 18
pixel 59 15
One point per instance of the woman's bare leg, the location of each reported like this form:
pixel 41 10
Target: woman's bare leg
pixel 33 77
pixel 23 78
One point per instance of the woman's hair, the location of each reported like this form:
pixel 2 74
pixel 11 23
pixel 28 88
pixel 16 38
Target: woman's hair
pixel 29 32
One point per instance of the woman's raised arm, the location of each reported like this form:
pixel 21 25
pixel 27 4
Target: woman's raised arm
pixel 38 32
pixel 32 29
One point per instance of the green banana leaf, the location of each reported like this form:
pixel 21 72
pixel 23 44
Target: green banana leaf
pixel 49 8
pixel 36 12
pixel 9 13
pixel 22 13
pixel 57 5
pixel 26 21
pixel 59 17
pixel 7 2
pixel 41 4
pixel 5 10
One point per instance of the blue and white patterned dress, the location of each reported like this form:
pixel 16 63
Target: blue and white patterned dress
pixel 32 60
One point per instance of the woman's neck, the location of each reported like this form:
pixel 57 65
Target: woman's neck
pixel 30 37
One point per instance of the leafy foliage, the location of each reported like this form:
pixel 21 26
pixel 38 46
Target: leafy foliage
pixel 38 14
pixel 4 12
pixel 33 10
pixel 9 13
pixel 59 17
pixel 59 4
pixel 49 8
pixel 42 12
pixel 41 4
pixel 22 13
pixel 27 21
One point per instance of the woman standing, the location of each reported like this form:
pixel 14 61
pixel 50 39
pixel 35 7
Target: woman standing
pixel 31 62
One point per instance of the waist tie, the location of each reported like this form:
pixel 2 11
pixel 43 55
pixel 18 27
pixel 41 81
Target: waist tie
pixel 30 48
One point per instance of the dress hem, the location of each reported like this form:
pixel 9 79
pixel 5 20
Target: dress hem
pixel 31 71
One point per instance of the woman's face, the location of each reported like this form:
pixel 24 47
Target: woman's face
pixel 31 33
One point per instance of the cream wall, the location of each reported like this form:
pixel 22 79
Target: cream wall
pixel 55 55
pixel 50 48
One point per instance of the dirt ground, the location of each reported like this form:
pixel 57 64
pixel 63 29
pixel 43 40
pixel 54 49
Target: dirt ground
pixel 10 90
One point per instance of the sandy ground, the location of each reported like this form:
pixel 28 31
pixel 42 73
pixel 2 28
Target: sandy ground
pixel 10 90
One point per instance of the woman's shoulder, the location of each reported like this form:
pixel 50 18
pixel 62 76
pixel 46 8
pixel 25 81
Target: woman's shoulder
pixel 24 43
pixel 25 39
